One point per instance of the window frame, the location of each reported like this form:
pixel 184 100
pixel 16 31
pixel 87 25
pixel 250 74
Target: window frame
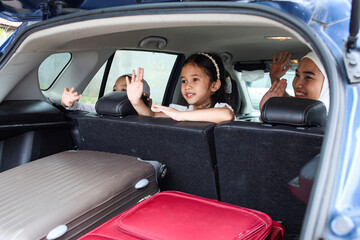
pixel 105 77
pixel 57 76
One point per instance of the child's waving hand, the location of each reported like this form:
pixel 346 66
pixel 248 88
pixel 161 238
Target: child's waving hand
pixel 69 97
pixel 135 86
pixel 135 89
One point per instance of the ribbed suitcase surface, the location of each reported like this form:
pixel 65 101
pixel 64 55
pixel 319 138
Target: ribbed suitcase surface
pixel 80 189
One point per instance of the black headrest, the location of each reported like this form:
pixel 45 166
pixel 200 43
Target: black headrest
pixel 116 104
pixel 294 111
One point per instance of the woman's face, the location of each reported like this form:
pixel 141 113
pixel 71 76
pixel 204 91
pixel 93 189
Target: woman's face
pixel 308 80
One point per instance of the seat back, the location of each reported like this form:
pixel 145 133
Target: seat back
pixel 187 148
pixel 256 161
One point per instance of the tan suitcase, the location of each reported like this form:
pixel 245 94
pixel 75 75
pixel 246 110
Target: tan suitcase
pixel 71 192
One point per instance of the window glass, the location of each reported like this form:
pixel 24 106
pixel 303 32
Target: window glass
pixel 258 85
pixel 157 70
pixel 91 93
pixel 51 67
pixel 7 28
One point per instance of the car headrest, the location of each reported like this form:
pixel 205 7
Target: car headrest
pixel 294 111
pixel 116 104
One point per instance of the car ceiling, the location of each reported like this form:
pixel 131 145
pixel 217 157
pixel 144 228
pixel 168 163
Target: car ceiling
pixel 245 40
pixel 244 43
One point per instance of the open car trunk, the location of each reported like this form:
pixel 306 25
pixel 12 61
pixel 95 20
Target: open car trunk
pixel 245 163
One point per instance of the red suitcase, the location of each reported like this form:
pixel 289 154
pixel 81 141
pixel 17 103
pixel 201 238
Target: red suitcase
pixel 173 216
pixel 277 232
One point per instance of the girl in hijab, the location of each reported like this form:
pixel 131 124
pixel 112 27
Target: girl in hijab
pixel 310 80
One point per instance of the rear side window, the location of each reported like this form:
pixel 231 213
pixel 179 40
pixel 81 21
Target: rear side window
pixel 91 93
pixel 258 84
pixel 51 68
pixel 157 70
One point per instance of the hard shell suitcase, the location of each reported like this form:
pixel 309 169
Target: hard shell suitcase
pixel 173 216
pixel 70 193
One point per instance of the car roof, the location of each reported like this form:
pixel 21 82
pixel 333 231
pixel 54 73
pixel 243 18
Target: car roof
pixel 328 13
pixel 39 10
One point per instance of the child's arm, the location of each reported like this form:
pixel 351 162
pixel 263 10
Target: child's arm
pixel 215 115
pixel 135 89
pixel 82 107
pixel 69 97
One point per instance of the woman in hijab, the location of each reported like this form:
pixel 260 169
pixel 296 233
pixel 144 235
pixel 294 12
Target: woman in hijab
pixel 310 80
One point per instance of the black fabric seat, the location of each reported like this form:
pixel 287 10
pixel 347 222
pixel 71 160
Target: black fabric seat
pixel 234 97
pixel 257 160
pixel 187 148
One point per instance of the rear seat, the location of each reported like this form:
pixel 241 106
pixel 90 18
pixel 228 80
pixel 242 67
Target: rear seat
pixel 187 148
pixel 256 161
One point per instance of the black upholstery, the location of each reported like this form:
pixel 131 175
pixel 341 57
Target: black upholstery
pixel 116 104
pixel 21 112
pixel 255 163
pixel 234 97
pixel 187 148
pixel 31 129
pixel 294 111
pixel 301 185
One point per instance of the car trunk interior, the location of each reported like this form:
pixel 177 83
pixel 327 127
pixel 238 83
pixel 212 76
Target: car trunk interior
pixel 243 163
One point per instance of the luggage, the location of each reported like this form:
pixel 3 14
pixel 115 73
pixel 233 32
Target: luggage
pixel 70 192
pixel 277 231
pixel 173 216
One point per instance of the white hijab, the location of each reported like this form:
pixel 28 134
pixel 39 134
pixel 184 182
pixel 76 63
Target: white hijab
pixel 325 92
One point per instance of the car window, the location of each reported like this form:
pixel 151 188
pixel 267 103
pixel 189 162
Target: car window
pixel 7 28
pixel 157 70
pixel 51 68
pixel 258 85
pixel 91 93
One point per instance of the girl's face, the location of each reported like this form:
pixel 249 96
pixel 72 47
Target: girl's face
pixel 308 80
pixel 196 87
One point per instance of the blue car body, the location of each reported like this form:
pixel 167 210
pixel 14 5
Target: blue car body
pixel 337 186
